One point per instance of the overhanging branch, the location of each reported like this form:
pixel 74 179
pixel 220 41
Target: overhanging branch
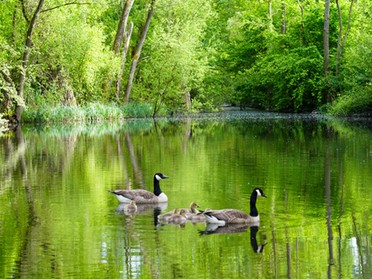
pixel 66 4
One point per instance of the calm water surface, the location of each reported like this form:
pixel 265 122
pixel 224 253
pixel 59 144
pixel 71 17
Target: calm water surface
pixel 59 221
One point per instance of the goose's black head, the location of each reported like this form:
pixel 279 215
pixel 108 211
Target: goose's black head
pixel 259 192
pixel 159 176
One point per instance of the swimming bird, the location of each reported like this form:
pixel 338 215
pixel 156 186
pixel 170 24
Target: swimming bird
pixel 188 212
pixel 193 209
pixel 166 216
pixel 234 216
pixel 178 218
pixel 141 196
pixel 194 215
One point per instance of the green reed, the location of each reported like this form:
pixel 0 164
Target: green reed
pixel 86 113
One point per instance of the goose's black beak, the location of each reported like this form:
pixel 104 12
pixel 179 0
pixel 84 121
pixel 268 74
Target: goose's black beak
pixel 263 195
pixel 164 176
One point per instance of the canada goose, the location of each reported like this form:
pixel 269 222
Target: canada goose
pixel 234 216
pixel 166 216
pixel 143 196
pixel 178 218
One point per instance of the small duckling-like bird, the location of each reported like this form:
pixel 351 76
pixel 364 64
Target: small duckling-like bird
pixel 234 216
pixel 143 196
pixel 179 218
pixel 188 212
pixel 193 209
pixel 165 217
pixel 194 215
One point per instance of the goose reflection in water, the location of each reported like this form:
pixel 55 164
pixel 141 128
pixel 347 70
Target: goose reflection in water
pixel 236 228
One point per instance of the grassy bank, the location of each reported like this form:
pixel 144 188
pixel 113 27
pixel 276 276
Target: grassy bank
pixel 86 113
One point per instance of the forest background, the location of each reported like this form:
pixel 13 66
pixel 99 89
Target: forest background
pixel 160 57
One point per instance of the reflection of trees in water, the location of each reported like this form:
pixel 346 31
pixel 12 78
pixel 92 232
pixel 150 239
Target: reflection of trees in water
pixel 137 171
pixel 327 179
pixel 32 234
pixel 31 222
pixel 348 244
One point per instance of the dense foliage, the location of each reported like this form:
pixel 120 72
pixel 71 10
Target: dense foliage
pixel 196 55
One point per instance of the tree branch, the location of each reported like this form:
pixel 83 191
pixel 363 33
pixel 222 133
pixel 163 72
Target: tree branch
pixel 66 4
pixel 24 11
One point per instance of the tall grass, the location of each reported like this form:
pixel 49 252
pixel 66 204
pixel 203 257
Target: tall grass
pixel 91 112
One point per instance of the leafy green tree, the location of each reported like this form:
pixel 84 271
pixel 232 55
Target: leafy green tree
pixel 173 61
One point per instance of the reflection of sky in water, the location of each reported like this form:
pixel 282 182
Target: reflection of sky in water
pixel 354 250
pixel 132 260
pixel 134 264
pixel 103 252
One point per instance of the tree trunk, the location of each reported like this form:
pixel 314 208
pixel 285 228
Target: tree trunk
pixel 119 37
pixel 270 10
pixel 26 57
pixel 137 51
pixel 123 59
pixel 188 100
pixel 284 18
pixel 326 48
pixel 348 23
pixel 302 23
pixel 342 40
pixel 339 39
pixel 120 32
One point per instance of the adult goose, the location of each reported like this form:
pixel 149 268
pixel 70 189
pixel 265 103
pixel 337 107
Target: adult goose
pixel 234 216
pixel 141 196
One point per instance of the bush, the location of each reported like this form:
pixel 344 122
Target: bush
pixel 138 110
pixel 290 82
pixel 358 101
pixel 3 124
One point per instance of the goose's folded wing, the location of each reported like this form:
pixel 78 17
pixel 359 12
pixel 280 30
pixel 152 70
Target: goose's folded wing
pixel 228 215
pixel 139 195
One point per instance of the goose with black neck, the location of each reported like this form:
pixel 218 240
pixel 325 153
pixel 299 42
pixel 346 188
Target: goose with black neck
pixel 233 216
pixel 141 196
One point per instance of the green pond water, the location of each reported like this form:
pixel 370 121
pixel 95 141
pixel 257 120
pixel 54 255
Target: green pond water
pixel 57 219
